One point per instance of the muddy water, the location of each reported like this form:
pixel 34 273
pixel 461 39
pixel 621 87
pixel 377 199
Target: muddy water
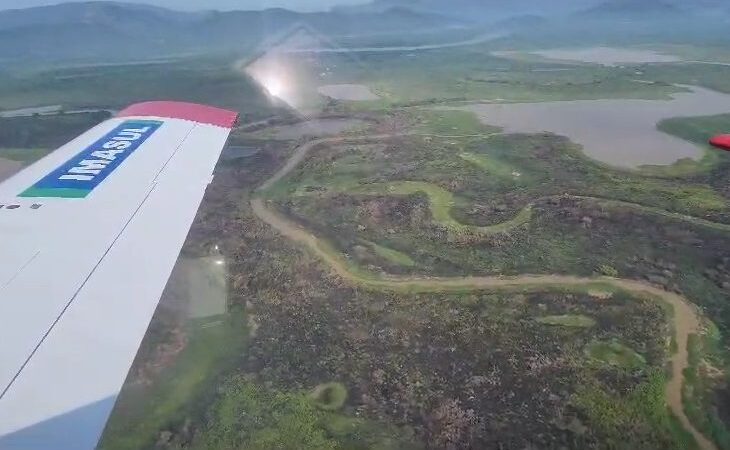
pixel 607 56
pixel 620 132
pixel 317 127
pixel 350 92
pixel 27 112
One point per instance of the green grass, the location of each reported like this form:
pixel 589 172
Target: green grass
pixel 44 132
pixel 450 123
pixel 143 412
pixel 247 415
pixel 607 270
pixel 392 256
pixel 199 80
pixel 568 320
pixel 626 421
pixel 698 389
pixel 699 198
pixel 441 202
pixel 357 433
pixel 24 155
pixel 698 130
pixel 685 167
pixel 616 354
pixel 493 166
pixel 663 213
pixel 329 396
pixel 473 74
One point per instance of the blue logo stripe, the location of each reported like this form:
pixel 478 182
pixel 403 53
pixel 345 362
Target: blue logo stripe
pixel 85 171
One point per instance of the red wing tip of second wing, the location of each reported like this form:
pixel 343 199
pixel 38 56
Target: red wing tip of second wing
pixel 722 141
pixel 180 110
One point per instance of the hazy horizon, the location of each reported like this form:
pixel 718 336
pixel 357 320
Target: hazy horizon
pixel 192 5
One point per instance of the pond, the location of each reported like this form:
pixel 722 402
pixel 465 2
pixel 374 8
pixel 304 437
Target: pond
pixel 620 132
pixel 608 56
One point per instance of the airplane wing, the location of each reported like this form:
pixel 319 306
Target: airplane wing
pixel 90 235
pixel 722 141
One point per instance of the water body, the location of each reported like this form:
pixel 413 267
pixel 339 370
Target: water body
pixel 620 132
pixel 317 127
pixel 27 112
pixel 350 92
pixel 607 56
pixel 51 110
pixel 400 48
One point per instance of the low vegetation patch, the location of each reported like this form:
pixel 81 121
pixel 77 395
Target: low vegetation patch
pixel 492 166
pixel 26 155
pixel 615 354
pixel 568 320
pixel 329 396
pixel 392 256
pixel 632 420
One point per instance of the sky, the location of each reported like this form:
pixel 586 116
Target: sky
pixel 299 5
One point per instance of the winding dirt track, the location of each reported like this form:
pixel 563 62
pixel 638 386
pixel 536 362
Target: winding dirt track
pixel 686 318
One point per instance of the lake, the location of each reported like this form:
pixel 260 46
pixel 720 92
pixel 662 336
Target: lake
pixel 620 132
pixel 608 56
pixel 27 112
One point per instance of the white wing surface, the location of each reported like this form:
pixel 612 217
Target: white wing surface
pixel 90 235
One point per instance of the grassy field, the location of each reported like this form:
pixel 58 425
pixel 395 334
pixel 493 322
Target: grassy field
pixel 210 81
pixel 473 73
pixel 391 255
pixel 43 132
pixel 144 411
pixel 706 385
pixel 568 320
pixel 667 227
pixel 24 155
pixel 526 168
pixel 441 202
pixel 642 408
pixel 616 354
pixel 350 365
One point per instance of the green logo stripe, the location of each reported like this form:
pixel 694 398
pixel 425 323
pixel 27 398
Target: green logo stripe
pixel 58 193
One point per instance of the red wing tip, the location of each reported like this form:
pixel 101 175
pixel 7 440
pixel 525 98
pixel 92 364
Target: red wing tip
pixel 722 141
pixel 180 110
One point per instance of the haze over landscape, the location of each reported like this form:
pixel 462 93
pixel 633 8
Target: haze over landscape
pixel 438 225
pixel 193 5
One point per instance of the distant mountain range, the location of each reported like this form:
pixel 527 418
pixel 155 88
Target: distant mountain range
pixel 499 10
pixel 634 8
pixel 113 31
pixel 479 10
